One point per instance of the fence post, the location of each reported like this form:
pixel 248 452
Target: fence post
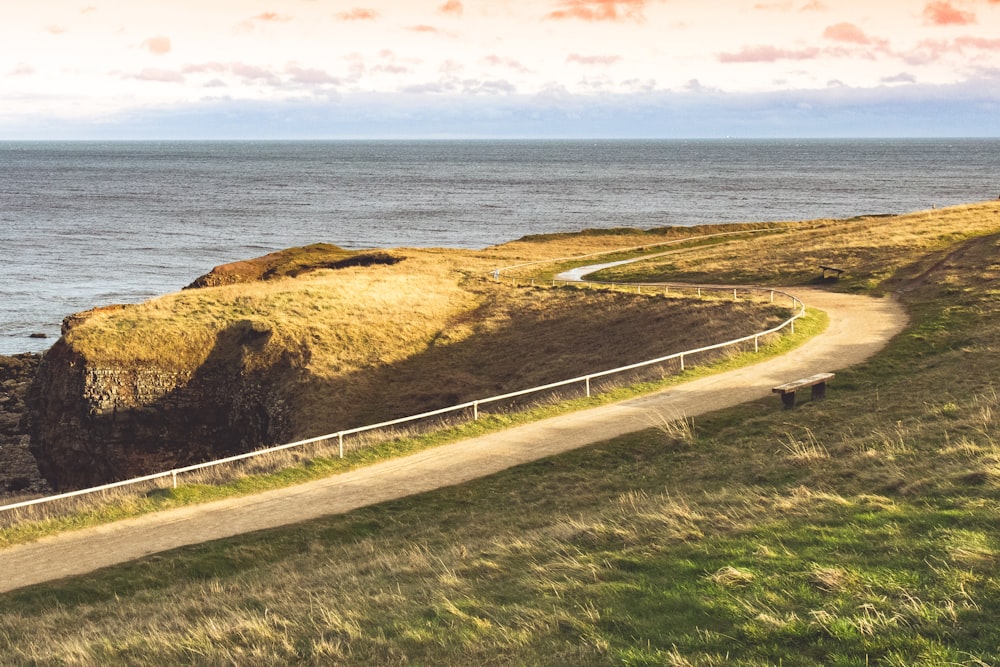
pixel 682 363
pixel 475 411
pixel 756 344
pixel 699 292
pixel 340 442
pixel 772 296
pixel 734 294
pixel 587 379
pixel 173 473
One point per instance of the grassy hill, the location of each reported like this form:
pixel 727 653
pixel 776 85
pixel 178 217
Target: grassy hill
pixel 859 530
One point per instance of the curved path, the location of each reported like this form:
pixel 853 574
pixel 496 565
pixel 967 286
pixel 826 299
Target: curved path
pixel 859 327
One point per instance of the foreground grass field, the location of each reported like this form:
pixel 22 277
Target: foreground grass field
pixel 860 530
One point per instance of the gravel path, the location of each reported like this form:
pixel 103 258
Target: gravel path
pixel 859 327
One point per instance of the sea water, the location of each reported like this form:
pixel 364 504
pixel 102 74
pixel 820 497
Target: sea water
pixel 86 224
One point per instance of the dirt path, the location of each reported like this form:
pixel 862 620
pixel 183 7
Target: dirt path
pixel 859 327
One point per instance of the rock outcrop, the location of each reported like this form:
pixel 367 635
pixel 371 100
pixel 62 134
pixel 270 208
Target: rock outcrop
pixel 18 470
pixel 291 263
pixel 92 424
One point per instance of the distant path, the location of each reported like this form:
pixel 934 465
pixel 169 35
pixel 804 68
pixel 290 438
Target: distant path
pixel 859 327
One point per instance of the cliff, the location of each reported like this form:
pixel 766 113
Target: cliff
pixel 95 422
pixel 18 470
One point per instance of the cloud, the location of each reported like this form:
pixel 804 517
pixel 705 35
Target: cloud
pixel 592 60
pixel 979 42
pixel 932 50
pixel 294 76
pixel 158 76
pixel 455 8
pixel 92 9
pixel 944 13
pixel 254 73
pixel 358 14
pixel 158 46
pixel 22 69
pixel 264 17
pixel 846 32
pixel 310 76
pixel 767 54
pixel 497 61
pixel 902 77
pixel 55 29
pixel 780 6
pixel 272 17
pixel 817 6
pixel 241 70
pixel 423 28
pixel 599 10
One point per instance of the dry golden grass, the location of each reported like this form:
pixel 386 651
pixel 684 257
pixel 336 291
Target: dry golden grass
pixel 869 249
pixel 343 320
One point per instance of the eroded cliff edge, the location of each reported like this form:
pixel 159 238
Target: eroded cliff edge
pixel 92 423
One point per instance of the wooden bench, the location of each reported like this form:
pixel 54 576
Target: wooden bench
pixel 817 382
pixel 832 269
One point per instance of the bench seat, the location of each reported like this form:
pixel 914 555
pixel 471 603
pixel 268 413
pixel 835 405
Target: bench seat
pixel 817 382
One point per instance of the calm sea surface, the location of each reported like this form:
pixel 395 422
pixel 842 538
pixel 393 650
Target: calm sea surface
pixel 86 224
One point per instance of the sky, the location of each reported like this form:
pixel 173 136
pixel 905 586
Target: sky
pixel 360 69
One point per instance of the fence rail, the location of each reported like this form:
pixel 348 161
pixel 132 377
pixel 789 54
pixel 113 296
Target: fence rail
pixel 585 380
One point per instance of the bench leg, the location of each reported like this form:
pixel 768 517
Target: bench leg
pixel 819 391
pixel 788 399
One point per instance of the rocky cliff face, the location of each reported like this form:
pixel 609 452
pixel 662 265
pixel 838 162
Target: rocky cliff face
pixel 91 424
pixel 18 470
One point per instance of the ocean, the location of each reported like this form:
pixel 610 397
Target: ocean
pixel 85 224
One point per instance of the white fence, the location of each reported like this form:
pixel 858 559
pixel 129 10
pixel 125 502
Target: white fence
pixel 472 406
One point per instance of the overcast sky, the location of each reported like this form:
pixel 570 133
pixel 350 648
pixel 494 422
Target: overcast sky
pixel 226 69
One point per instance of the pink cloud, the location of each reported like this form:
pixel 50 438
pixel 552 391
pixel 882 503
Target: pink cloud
pixel 847 32
pixel 310 76
pixel 944 13
pixel 205 67
pixel 767 54
pixel 927 51
pixel 451 7
pixel 89 10
pixel 497 61
pixel 358 14
pixel 22 69
pixel 817 6
pixel 980 42
pixel 273 17
pixel 592 60
pixel 391 69
pixel 55 29
pixel 253 72
pixel 242 70
pixel 158 46
pixel 423 28
pixel 599 10
pixel 158 76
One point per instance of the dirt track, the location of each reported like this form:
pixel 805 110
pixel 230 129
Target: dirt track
pixel 859 327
